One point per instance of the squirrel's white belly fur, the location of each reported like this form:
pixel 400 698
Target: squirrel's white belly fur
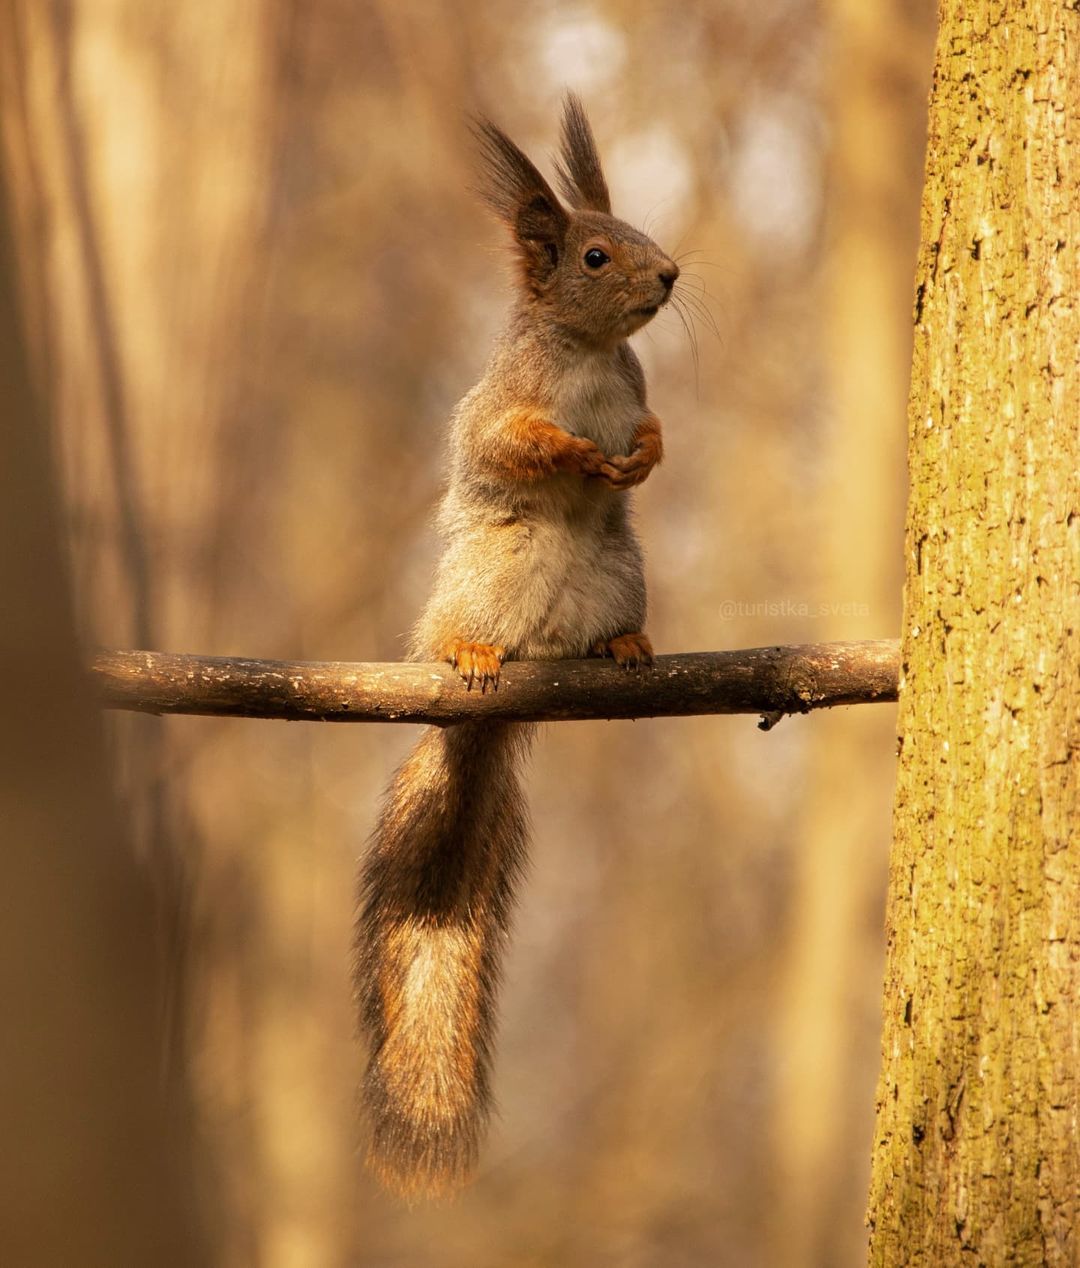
pixel 549 569
pixel 586 585
pixel 594 400
pixel 547 579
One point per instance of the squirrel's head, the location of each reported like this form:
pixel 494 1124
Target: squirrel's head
pixel 598 277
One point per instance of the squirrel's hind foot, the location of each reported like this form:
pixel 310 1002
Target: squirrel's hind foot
pixel 629 651
pixel 476 662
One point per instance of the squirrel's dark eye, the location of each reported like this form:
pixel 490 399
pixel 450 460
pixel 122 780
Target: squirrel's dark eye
pixel 595 258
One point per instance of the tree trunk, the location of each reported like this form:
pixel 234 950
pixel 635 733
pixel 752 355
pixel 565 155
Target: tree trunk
pixel 976 1157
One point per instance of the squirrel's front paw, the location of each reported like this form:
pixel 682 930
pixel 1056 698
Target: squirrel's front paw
pixel 624 471
pixel 630 651
pixel 476 662
pixel 582 456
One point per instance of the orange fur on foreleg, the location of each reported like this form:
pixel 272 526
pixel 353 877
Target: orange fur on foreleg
pixel 526 446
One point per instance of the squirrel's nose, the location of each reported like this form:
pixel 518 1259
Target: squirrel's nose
pixel 668 275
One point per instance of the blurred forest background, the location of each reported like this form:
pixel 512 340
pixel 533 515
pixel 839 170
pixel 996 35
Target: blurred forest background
pixel 254 283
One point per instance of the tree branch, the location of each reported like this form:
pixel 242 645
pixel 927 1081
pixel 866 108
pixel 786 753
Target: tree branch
pixel 772 681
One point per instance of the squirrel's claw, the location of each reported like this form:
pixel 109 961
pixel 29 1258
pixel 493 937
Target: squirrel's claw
pixel 621 471
pixel 476 662
pixel 624 471
pixel 612 476
pixel 629 651
pixel 588 457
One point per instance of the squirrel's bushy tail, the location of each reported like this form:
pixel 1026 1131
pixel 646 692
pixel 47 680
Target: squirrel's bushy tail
pixel 437 891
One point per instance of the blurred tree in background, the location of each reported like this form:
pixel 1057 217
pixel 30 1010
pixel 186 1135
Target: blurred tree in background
pixel 98 1165
pixel 255 283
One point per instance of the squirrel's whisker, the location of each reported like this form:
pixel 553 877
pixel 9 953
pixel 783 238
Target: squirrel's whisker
pixel 696 303
pixel 695 312
pixel 691 334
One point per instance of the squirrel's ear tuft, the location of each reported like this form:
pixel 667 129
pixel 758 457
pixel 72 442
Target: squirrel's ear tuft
pixel 581 177
pixel 513 188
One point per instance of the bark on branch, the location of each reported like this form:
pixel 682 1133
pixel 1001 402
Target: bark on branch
pixel 772 681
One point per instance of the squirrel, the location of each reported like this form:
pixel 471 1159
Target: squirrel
pixel 540 562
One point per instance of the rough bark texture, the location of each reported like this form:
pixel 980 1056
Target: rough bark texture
pixel 977 1158
pixel 772 681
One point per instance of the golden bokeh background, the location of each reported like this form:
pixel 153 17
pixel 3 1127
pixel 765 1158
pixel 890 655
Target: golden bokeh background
pixel 254 283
